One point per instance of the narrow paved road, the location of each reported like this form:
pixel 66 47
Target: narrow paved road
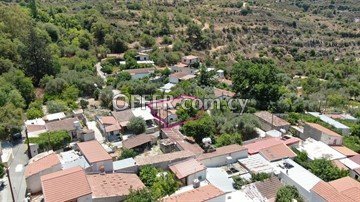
pixel 99 72
pixel 16 169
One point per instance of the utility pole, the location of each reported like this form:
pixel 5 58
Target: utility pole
pixel 28 143
pixel 11 189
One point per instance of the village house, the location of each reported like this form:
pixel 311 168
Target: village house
pixel 181 142
pixel 345 151
pixel 269 121
pixel 66 185
pixel 223 94
pixel 163 160
pixel 177 77
pixel 189 170
pixel 54 117
pixel 223 155
pixel 142 57
pixel 343 189
pixel 96 156
pixel 109 127
pixel 291 173
pixel 126 166
pixel 140 73
pixel 345 130
pixel 277 152
pixel 139 143
pixel 317 150
pixel 203 193
pixel 35 127
pixel 71 159
pixel 190 60
pixel 71 125
pixel 256 164
pixel 254 146
pixel 113 187
pixel 42 164
pixel 320 133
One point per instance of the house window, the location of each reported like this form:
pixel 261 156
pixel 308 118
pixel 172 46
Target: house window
pixel 356 177
pixel 200 178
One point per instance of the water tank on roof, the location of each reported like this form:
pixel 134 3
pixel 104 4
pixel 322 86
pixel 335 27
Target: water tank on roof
pixel 196 183
pixel 206 141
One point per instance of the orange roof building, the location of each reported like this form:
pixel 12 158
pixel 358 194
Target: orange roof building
pixel 277 152
pixel 320 133
pixel 163 160
pixel 204 193
pixel 189 170
pixel 328 193
pixel 39 167
pixel 223 155
pixel 113 186
pixel 345 151
pixel 269 121
pixel 66 185
pixel 96 155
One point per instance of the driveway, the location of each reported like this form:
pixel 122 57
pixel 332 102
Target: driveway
pixel 98 136
pixel 99 72
pixel 16 169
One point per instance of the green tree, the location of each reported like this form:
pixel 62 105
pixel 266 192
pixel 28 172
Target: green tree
pixel 11 120
pixel 70 93
pixel 228 139
pixel 147 40
pixel 106 97
pixel 257 81
pixel 36 57
pixel 137 125
pixel 33 113
pixel 141 195
pixel 51 140
pixel 259 176
pixel 326 170
pixel 200 128
pixel 83 104
pixel 127 153
pixel 54 106
pixel 123 76
pixel 288 193
pixel 22 83
pixel 239 182
pixel 206 78
pixel 148 175
pixel 165 184
pixel 2 170
pixel 33 8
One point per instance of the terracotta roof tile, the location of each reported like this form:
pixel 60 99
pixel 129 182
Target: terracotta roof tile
pixel 270 118
pixel 256 146
pixel 225 150
pixel 344 150
pixel 140 71
pixel 93 151
pixel 65 185
pixel 329 193
pixel 340 165
pixel 323 129
pixel 277 152
pixel 344 183
pixel 113 184
pixel 186 168
pixel 123 116
pixel 203 193
pixel 41 164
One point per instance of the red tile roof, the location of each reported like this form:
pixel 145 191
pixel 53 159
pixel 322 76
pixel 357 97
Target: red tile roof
pixel 323 129
pixel 203 193
pixel 256 146
pixel 137 140
pixel 93 151
pixel 113 184
pixel 41 164
pixel 65 185
pixel 33 128
pixel 348 187
pixel 329 193
pixel 277 152
pixel 270 118
pixel 186 168
pixel 344 150
pixel 225 150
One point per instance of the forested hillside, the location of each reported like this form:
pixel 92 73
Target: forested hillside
pixel 49 48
